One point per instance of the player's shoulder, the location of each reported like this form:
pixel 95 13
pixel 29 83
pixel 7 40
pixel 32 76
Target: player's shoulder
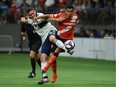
pixel 22 19
pixel 75 15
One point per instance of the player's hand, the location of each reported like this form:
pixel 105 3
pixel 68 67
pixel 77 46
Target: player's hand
pixel 23 19
pixel 23 38
pixel 35 19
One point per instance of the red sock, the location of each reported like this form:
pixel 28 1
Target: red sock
pixel 50 61
pixel 54 67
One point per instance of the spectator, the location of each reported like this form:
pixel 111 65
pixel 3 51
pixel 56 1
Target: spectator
pixel 61 3
pixel 90 11
pixel 104 33
pixel 24 6
pixel 5 12
pixel 95 33
pixel 49 6
pixel 113 34
pixel 18 15
pixel 12 11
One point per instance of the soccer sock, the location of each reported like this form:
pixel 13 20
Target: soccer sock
pixel 50 61
pixel 54 67
pixel 33 64
pixel 43 64
pixel 39 62
pixel 60 44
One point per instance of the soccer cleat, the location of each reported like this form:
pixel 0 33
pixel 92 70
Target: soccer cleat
pixel 31 75
pixel 70 51
pixel 42 81
pixel 53 79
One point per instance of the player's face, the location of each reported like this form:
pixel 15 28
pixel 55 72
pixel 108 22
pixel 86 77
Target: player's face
pixel 32 13
pixel 69 12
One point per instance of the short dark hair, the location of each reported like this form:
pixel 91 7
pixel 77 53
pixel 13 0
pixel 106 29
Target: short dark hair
pixel 70 6
pixel 28 10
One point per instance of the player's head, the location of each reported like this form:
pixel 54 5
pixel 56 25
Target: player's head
pixel 69 9
pixel 31 12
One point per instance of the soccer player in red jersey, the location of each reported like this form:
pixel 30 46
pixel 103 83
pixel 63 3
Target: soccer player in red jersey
pixel 66 23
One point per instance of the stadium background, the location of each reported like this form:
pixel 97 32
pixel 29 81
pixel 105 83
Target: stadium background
pixel 96 21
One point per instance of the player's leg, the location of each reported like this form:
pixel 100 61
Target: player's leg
pixel 44 75
pixel 54 69
pixel 60 44
pixel 52 62
pixel 37 57
pixel 52 58
pixel 33 64
pixel 34 47
pixel 45 52
pixel 52 38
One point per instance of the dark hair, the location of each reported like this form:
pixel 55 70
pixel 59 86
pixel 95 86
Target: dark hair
pixel 70 6
pixel 28 10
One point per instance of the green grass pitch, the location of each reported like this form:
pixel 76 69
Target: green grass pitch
pixel 72 72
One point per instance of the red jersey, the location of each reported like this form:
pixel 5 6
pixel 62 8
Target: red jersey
pixel 66 28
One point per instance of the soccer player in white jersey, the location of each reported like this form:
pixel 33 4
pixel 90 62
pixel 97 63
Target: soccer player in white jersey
pixel 65 31
pixel 48 34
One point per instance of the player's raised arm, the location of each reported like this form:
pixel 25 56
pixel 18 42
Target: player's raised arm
pixel 42 17
pixel 50 17
pixel 60 19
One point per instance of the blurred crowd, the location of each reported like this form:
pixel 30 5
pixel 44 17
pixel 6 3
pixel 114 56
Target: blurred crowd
pixel 94 33
pixel 91 12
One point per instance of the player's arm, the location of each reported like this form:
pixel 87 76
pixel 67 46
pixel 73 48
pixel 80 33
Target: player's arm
pixel 23 32
pixel 42 17
pixel 58 19
pixel 50 17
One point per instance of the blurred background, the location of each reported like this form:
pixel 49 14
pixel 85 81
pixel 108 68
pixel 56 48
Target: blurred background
pixel 96 25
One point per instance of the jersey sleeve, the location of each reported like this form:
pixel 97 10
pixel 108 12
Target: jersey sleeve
pixel 56 15
pixel 40 20
pixel 76 17
pixel 40 14
pixel 30 21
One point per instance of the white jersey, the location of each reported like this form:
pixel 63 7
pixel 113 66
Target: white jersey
pixel 43 32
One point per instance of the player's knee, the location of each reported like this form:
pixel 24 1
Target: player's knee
pixel 52 38
pixel 43 57
pixel 31 56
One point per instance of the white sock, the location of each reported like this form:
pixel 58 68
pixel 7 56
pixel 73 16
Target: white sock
pixel 43 64
pixel 60 44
